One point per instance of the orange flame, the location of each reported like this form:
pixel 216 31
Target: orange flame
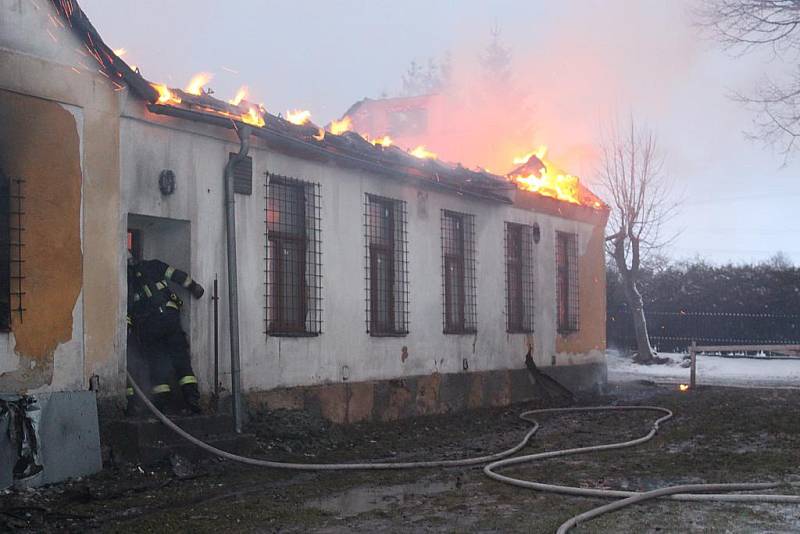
pixel 119 52
pixel 539 175
pixel 253 117
pixel 197 83
pixel 384 141
pixel 165 96
pixel 683 387
pixel 298 116
pixel 320 135
pixel 422 153
pixel 341 126
pixel 240 95
pixel 540 153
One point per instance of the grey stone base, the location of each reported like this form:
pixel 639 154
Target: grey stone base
pixel 385 400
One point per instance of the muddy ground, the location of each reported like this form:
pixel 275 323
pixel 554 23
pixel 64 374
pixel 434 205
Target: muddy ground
pixel 717 435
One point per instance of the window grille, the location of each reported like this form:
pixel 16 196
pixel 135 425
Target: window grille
pixel 458 273
pixel 242 175
pixel 11 248
pixel 293 257
pixel 386 266
pixel 519 277
pixel 567 281
pixel 5 253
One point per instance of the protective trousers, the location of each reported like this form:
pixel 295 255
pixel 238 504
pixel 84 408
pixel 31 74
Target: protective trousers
pixel 164 345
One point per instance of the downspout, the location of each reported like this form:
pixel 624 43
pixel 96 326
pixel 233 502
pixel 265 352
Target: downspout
pixel 233 283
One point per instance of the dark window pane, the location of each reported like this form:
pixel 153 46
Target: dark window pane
pixel 286 209
pixel 454 294
pixel 382 291
pixel 379 225
pixel 292 294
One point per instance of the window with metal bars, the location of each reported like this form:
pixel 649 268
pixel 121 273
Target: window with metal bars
pixel 11 247
pixel 293 258
pixel 458 273
pixel 386 266
pixel 519 277
pixel 567 282
pixel 5 252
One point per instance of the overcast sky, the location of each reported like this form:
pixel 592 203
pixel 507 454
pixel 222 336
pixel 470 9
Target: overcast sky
pixel 585 62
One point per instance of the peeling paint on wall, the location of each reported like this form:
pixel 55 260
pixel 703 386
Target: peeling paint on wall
pixel 39 143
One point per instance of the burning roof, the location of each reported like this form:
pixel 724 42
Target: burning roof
pixel 295 133
pixel 537 174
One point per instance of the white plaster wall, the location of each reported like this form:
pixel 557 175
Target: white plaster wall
pixel 197 154
pixel 32 27
pixel 68 358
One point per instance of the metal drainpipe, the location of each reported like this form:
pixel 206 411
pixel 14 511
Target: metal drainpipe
pixel 233 283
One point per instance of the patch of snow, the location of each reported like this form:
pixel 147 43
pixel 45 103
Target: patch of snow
pixel 711 370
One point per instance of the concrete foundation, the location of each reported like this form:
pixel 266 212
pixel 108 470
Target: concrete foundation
pixel 386 400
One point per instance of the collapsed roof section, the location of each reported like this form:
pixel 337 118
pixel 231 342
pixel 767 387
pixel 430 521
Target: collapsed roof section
pixel 308 140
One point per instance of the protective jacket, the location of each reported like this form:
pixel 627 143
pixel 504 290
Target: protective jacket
pixel 149 292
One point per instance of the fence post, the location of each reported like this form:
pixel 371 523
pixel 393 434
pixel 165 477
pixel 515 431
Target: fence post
pixel 693 374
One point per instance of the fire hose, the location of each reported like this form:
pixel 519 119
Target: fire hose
pixel 686 492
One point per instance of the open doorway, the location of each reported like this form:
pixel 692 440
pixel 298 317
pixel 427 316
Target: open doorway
pixel 168 240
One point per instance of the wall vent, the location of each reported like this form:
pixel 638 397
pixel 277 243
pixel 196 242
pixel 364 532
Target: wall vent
pixel 242 175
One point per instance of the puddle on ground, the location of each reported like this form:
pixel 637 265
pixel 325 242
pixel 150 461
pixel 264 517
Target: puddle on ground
pixel 368 498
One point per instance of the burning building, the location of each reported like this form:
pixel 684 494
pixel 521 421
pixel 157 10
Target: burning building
pixel 374 282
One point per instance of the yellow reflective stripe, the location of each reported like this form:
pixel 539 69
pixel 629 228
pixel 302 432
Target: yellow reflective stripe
pixel 187 282
pixel 147 291
pixel 188 379
pixel 162 388
pixel 128 319
pixel 171 304
pixel 169 272
pixel 129 392
pixel 160 285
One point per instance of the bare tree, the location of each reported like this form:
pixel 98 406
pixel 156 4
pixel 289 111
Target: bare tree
pixel 746 25
pixel 496 59
pixel 641 199
pixel 431 78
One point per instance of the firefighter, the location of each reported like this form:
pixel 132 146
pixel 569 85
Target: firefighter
pixel 154 320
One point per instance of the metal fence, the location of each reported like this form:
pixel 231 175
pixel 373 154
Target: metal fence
pixel 674 331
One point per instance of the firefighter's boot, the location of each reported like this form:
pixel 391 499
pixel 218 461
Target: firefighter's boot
pixel 134 406
pixel 161 400
pixel 191 395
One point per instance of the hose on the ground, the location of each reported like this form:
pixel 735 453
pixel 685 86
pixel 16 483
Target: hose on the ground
pixel 687 492
pixel 328 467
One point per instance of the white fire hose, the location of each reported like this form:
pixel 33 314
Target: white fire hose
pixel 687 492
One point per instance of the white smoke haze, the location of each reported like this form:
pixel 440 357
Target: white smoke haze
pixel 580 70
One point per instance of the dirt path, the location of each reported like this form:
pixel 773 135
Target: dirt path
pixel 718 434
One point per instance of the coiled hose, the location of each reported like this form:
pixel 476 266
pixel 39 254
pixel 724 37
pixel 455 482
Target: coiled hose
pixel 688 492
